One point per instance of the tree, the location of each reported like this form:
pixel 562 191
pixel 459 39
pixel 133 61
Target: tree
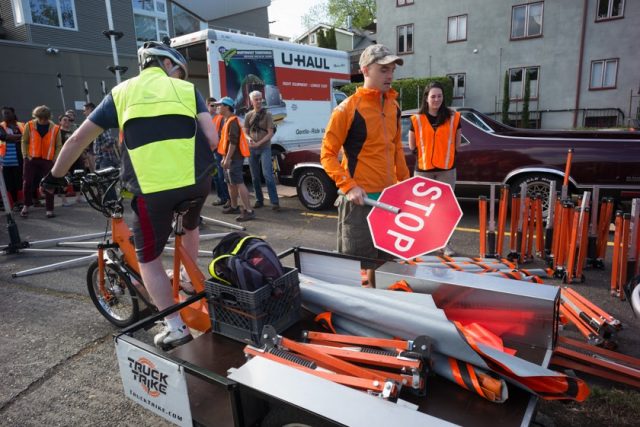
pixel 505 99
pixel 321 37
pixel 331 38
pixel 362 12
pixel 336 12
pixel 316 15
pixel 525 100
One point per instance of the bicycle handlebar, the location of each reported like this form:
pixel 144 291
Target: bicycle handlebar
pixel 95 186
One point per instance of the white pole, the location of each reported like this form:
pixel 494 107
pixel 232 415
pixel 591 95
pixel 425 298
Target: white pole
pixel 113 41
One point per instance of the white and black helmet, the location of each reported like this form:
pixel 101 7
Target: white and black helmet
pixel 153 51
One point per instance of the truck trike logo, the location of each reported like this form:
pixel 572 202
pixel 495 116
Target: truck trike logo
pixel 153 381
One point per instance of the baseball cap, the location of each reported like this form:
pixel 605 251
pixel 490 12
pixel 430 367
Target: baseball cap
pixel 226 101
pixel 379 54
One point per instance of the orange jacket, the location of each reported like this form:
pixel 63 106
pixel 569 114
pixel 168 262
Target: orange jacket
pixel 3 145
pixel 35 146
pixel 366 126
pixel 436 149
pixel 224 139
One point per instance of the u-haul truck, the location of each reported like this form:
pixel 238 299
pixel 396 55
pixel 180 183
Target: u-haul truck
pixel 297 81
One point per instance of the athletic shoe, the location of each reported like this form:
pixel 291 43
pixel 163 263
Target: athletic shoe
pixel 258 204
pixel 275 207
pixel 185 283
pixel 231 210
pixel 219 202
pixel 167 339
pixel 246 216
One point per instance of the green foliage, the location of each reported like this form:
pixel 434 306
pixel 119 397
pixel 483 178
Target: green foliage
pixel 321 38
pixel 336 12
pixel 362 12
pixel 332 43
pixel 410 90
pixel 505 99
pixel 525 101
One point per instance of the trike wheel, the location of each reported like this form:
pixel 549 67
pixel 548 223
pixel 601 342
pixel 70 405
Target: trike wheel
pixel 118 302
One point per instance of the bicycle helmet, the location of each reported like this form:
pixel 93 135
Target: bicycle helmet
pixel 153 51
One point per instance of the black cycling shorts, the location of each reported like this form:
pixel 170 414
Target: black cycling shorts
pixel 154 214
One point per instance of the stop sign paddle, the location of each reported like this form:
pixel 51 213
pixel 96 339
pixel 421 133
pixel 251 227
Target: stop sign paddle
pixel 429 213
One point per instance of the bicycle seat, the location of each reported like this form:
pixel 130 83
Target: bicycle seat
pixel 185 205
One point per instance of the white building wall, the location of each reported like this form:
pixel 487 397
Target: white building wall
pixel 488 52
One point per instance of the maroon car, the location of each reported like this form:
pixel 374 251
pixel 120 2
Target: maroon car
pixel 493 153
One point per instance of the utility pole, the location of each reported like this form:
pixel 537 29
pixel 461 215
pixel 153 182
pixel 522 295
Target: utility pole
pixel 114 36
pixel 59 86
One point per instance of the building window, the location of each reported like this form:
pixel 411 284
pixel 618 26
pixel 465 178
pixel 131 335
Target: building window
pixel 150 20
pixel 405 38
pixel 18 13
pixel 526 21
pixel 601 121
pixel 52 13
pixel 458 82
pixel 312 38
pixel 603 74
pixel 517 81
pixel 610 9
pixel 457 28
pixel 184 22
pixel 404 2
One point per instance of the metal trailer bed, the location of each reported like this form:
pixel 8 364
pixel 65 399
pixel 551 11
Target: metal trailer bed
pixel 211 361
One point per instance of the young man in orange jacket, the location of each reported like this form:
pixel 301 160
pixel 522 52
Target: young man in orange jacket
pixel 366 126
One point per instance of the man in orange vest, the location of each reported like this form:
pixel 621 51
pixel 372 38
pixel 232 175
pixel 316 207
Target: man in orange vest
pixel 234 148
pixel 218 179
pixel 41 143
pixel 11 131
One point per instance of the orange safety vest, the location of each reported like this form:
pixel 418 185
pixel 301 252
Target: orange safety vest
pixel 436 149
pixel 3 144
pixel 45 146
pixel 217 122
pixel 224 139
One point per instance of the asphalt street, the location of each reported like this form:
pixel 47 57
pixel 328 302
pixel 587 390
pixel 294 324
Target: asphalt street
pixel 57 358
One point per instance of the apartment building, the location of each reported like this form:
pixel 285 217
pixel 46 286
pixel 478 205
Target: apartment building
pixel 581 56
pixel 55 52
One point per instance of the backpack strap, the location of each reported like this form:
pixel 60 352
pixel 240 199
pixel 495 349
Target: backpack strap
pixel 212 269
pixel 241 242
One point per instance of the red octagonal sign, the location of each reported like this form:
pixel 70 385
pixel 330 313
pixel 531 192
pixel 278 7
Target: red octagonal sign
pixel 429 213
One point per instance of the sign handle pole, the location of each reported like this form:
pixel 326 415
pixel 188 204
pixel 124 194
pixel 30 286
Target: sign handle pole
pixel 376 204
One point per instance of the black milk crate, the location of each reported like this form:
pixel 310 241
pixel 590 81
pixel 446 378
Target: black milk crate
pixel 241 314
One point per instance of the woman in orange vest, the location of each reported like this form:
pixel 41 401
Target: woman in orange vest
pixel 41 143
pixel 435 134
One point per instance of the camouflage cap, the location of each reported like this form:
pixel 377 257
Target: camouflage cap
pixel 378 54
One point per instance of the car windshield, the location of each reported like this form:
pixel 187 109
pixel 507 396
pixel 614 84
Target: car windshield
pixel 476 121
pixel 339 96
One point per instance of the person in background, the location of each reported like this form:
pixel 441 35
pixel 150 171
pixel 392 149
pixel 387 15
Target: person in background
pixel 11 131
pixel 41 143
pixel 234 148
pixel 435 134
pixel 366 127
pixel 72 119
pixel 218 178
pixel 166 160
pixel 258 125
pixel 65 132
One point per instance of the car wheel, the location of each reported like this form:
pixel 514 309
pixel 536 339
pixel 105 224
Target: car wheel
pixel 537 184
pixel 315 190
